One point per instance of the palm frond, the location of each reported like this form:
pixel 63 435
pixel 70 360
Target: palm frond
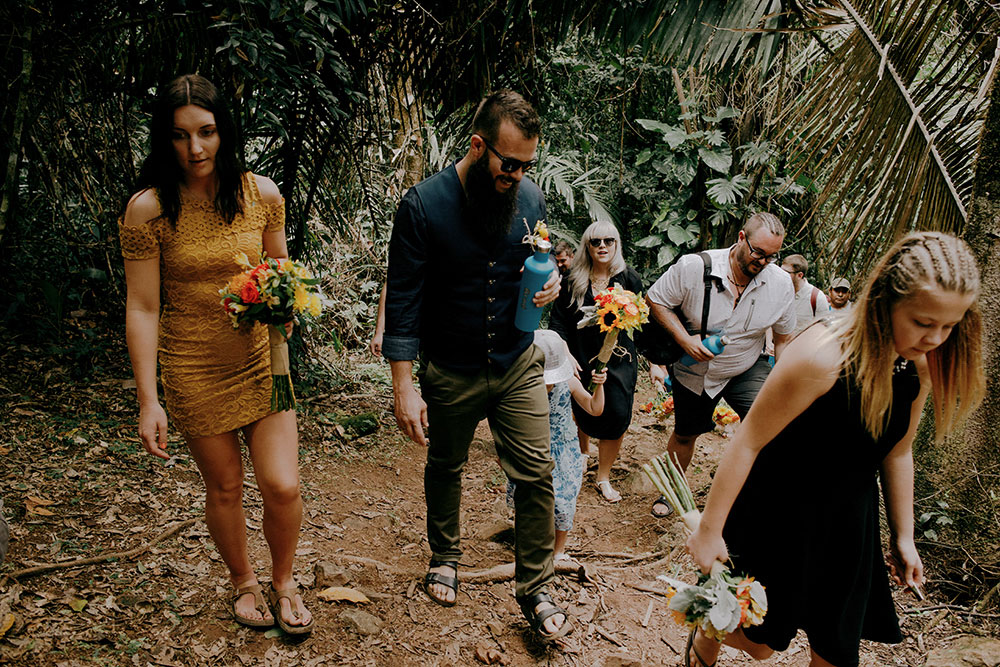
pixel 891 121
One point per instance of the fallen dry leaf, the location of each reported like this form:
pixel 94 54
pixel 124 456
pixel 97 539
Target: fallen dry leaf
pixel 35 505
pixel 489 656
pixel 338 593
pixel 6 624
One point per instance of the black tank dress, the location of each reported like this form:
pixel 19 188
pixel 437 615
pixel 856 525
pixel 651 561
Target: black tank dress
pixel 584 344
pixel 806 525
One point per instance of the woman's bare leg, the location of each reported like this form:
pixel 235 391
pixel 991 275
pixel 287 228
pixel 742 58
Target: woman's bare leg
pixel 607 454
pixel 708 649
pixel 218 459
pixel 274 450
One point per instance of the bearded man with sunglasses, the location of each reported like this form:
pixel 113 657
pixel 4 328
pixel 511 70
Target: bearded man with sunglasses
pixel 455 259
pixel 750 295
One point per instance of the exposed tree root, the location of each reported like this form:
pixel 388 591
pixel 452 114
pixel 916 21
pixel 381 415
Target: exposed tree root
pixel 93 560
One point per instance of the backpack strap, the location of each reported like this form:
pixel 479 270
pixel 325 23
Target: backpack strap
pixel 706 302
pixel 812 299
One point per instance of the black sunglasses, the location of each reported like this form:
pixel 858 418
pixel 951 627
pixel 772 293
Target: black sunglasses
pixel 596 243
pixel 509 165
pixel 757 254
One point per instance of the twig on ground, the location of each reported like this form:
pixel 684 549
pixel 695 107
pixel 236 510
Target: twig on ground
pixel 958 609
pixel 649 612
pixel 506 571
pixel 649 589
pixel 93 560
pixel 629 558
pixel 669 645
pixel 607 635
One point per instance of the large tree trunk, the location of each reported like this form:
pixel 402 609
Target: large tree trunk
pixel 9 185
pixel 965 466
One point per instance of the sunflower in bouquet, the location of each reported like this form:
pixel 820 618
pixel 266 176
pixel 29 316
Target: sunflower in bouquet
pixel 273 292
pixel 615 310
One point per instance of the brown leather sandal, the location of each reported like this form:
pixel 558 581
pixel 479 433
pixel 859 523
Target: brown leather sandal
pixel 288 594
pixel 258 603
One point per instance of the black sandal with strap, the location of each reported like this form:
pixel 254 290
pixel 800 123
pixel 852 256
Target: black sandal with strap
pixel 691 649
pixel 536 619
pixel 443 579
pixel 661 501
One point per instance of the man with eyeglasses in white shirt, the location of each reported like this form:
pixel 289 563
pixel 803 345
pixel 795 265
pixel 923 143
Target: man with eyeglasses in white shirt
pixel 750 295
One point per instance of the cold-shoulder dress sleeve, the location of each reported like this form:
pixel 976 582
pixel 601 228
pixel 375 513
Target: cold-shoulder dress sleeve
pixel 139 241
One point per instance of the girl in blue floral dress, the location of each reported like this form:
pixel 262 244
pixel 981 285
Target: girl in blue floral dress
pixel 569 462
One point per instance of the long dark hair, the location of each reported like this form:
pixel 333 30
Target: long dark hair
pixel 160 169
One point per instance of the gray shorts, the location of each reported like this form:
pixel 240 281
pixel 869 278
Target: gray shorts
pixel 693 412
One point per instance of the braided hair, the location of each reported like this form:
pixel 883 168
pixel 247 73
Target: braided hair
pixel 917 261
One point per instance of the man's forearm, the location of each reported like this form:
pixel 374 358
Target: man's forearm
pixel 668 319
pixel 402 375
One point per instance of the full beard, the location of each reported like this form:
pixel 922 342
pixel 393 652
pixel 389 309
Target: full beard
pixel 494 209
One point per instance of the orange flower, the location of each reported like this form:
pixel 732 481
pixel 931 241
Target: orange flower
pixel 237 283
pixel 249 293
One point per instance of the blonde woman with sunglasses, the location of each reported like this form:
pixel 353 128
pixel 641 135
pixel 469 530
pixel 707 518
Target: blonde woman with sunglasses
pixel 597 265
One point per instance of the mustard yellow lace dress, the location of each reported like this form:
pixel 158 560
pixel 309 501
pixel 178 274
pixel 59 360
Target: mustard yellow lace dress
pixel 215 378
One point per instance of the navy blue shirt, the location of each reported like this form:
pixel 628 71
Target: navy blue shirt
pixel 452 291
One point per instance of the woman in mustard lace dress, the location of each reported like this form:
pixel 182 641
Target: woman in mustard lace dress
pixel 197 209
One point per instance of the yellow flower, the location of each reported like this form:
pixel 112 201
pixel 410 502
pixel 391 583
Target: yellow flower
pixel 242 259
pixel 301 300
pixel 315 305
pixel 607 319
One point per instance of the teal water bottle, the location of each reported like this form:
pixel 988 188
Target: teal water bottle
pixel 537 270
pixel 715 344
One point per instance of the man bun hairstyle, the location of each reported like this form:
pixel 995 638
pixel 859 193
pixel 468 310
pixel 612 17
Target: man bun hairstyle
pixel 501 105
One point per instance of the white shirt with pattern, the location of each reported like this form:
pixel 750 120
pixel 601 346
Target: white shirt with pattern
pixel 767 301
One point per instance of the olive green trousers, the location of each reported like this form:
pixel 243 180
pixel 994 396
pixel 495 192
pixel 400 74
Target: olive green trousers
pixel 517 407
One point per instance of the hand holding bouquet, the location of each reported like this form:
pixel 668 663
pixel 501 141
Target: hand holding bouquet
pixel 616 310
pixel 272 292
pixel 720 602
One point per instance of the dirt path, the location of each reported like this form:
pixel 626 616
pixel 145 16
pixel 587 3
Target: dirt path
pixel 364 517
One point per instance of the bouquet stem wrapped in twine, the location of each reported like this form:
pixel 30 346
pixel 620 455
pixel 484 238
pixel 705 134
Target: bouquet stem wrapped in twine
pixel 282 393
pixel 604 355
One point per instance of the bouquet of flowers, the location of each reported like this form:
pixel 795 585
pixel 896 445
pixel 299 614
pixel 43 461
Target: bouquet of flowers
pixel 662 406
pixel 616 310
pixel 720 602
pixel 725 417
pixel 272 292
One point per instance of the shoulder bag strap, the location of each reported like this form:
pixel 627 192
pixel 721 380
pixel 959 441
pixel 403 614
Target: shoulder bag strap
pixel 706 302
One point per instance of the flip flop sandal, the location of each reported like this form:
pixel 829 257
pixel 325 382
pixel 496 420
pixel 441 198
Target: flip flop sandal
pixel 443 579
pixel 536 619
pixel 690 649
pixel 258 603
pixel 661 501
pixel 288 594
pixel 607 492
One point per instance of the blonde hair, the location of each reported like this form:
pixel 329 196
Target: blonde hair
pixel 917 261
pixel 583 264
